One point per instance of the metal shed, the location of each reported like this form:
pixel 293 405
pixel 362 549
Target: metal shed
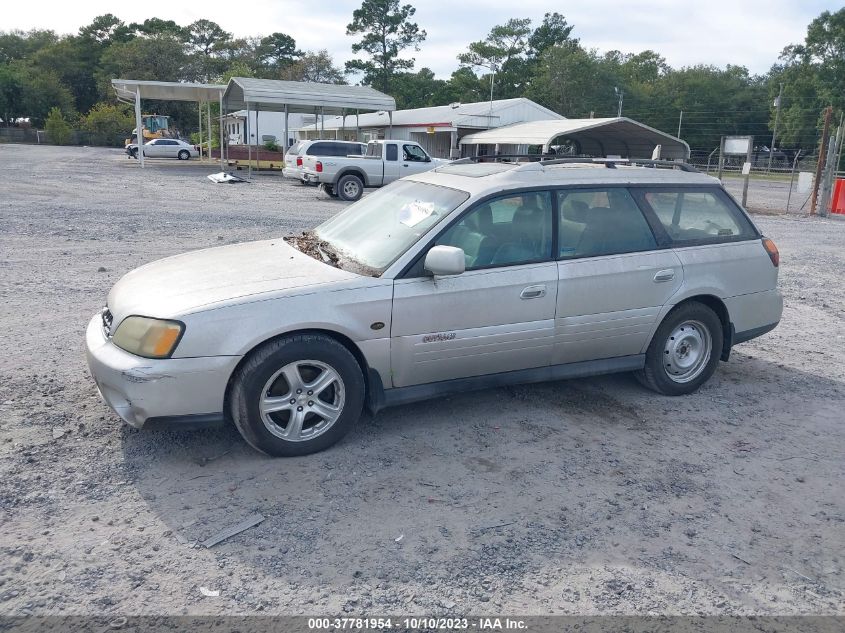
pixel 133 90
pixel 275 95
pixel 619 136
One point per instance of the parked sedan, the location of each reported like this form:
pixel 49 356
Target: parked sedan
pixel 165 148
pixel 465 277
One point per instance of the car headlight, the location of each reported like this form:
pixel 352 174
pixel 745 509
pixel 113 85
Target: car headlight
pixel 147 337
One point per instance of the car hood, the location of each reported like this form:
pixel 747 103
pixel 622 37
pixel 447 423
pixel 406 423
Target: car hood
pixel 171 287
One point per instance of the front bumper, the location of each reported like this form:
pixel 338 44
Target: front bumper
pixel 139 389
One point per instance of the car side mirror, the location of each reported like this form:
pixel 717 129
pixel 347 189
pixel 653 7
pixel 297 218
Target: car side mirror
pixel 445 260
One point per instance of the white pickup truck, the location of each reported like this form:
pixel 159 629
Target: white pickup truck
pixel 385 161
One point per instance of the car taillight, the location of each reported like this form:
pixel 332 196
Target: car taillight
pixel 299 161
pixel 772 250
pixel 319 167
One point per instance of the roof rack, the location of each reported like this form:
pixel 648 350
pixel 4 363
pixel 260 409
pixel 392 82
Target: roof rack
pixel 555 159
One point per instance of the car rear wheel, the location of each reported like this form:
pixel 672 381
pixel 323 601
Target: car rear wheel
pixel 684 352
pixel 350 188
pixel 297 395
pixel 184 154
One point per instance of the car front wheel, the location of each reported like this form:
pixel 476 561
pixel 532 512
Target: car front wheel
pixel 297 395
pixel 684 352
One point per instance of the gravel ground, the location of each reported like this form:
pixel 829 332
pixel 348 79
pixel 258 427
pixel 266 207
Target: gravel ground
pixel 587 496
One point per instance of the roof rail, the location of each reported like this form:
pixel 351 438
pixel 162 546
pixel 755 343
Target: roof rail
pixel 555 159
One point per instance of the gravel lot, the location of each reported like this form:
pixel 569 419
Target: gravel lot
pixel 587 496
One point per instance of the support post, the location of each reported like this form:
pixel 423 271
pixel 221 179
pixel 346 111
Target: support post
pixel 222 159
pixel 390 116
pixel 248 144
pixel 792 179
pixel 829 173
pixel 322 123
pixel 748 157
pixel 208 128
pixel 680 121
pixel 199 133
pixel 721 158
pixel 357 127
pixel 139 127
pixel 775 130
pixel 828 111
pixel 258 143
pixel 287 134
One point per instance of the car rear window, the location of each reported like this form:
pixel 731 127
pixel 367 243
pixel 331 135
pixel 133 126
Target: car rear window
pixel 335 149
pixel 294 149
pixel 690 215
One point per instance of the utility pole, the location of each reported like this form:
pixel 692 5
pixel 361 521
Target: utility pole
pixel 680 120
pixel 828 112
pixel 620 94
pixel 775 130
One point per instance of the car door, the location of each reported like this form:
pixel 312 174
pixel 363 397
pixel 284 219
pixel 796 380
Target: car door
pixel 392 166
pixel 614 277
pixel 152 149
pixel 414 160
pixel 170 149
pixel 497 316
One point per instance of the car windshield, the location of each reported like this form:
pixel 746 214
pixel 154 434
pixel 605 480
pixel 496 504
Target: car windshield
pixel 377 229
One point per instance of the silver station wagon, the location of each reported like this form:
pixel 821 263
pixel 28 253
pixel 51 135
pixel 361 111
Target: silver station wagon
pixel 470 276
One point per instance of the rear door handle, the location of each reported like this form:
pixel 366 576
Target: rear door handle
pixel 664 275
pixel 533 292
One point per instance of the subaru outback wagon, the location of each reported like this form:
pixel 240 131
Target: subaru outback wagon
pixel 470 276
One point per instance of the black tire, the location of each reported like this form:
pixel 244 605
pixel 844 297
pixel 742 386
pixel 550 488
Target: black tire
pixel 659 374
pixel 350 188
pixel 184 154
pixel 330 191
pixel 248 389
pixel 134 153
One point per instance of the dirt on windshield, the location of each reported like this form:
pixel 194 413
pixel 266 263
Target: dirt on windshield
pixel 309 243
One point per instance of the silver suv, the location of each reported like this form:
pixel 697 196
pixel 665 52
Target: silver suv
pixel 469 276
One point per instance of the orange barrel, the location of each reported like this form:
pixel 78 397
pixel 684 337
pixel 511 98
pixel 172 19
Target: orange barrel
pixel 837 205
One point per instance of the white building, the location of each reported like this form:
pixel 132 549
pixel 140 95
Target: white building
pixel 264 126
pixel 438 129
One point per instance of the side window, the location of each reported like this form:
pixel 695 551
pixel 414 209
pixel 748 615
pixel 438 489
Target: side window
pixel 391 152
pixel 412 153
pixel 316 149
pixel 690 216
pixel 506 231
pixel 601 222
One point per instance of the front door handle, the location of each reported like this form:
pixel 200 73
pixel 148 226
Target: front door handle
pixel 533 292
pixel 664 275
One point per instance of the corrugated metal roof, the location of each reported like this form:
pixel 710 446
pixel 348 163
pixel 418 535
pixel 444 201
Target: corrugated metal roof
pixel 455 115
pixel 301 96
pixel 599 137
pixel 167 90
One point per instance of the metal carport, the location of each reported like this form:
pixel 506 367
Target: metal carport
pixel 275 95
pixel 595 137
pixel 132 90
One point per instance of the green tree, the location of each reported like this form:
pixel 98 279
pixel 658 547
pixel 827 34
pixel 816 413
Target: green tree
pixel 22 45
pixel 157 26
pixel 43 92
pixel 386 30
pixel 503 53
pixel 109 123
pixel 106 29
pixel 417 90
pixel 278 51
pixel 554 30
pixel 12 80
pixel 58 130
pixel 205 36
pixel 315 67
pixel 159 58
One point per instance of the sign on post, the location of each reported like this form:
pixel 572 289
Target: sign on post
pixel 738 146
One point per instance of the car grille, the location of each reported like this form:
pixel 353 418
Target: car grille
pixel 107 321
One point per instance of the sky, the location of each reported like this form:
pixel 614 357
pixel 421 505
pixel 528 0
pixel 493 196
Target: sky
pixel 749 33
